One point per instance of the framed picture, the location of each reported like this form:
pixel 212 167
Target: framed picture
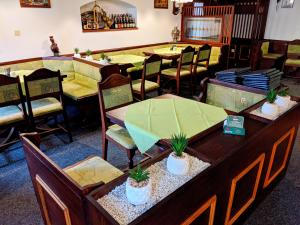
pixel 161 4
pixel 287 3
pixel 35 3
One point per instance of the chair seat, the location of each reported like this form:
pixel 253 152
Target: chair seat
pixel 121 136
pixel 272 56
pixel 134 69
pixel 292 62
pixel 77 91
pixel 45 106
pixel 92 170
pixel 172 72
pixel 149 85
pixel 211 63
pixel 201 69
pixel 10 114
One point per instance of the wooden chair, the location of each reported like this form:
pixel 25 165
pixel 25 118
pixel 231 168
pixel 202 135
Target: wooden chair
pixel 61 192
pixel 293 56
pixel 108 70
pixel 201 63
pixel 183 70
pixel 115 92
pixel 11 115
pixel 268 58
pixel 44 99
pixel 152 69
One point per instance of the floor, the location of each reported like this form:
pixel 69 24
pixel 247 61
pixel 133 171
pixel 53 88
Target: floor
pixel 18 204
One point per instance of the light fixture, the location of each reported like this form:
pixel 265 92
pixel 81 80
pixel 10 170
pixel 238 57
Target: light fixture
pixel 178 4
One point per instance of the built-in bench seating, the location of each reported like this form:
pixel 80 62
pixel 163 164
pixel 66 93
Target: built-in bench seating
pixel 82 77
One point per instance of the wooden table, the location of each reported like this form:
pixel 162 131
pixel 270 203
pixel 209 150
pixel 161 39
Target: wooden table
pixel 167 56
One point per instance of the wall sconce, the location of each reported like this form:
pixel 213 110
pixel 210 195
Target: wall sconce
pixel 178 4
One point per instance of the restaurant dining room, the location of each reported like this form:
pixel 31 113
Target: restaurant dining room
pixel 149 112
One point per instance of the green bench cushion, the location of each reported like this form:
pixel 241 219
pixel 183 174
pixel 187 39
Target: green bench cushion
pixel 77 91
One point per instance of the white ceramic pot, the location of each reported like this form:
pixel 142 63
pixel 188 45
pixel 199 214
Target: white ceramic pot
pixel 283 101
pixel 77 55
pixel 89 57
pixel 138 195
pixel 270 109
pixel 178 165
pixel 103 61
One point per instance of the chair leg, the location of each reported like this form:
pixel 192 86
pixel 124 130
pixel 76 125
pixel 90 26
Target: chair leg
pixel 104 148
pixel 66 122
pixel 177 87
pixel 130 154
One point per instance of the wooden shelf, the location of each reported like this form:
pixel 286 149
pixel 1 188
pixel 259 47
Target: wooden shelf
pixel 107 30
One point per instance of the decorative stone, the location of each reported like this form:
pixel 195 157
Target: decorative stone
pixel 163 184
pixel 77 55
pixel 89 58
pixel 270 109
pixel 283 101
pixel 178 165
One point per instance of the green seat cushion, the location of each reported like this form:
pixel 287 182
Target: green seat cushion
pixel 93 170
pixel 45 106
pixel 10 114
pixel 149 85
pixel 173 71
pixel 272 56
pixel 293 62
pixel 201 69
pixel 134 69
pixel 211 63
pixel 121 136
pixel 166 62
pixel 265 47
pixel 76 91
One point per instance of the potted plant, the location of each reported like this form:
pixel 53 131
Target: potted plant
pixel 88 55
pixel 138 186
pixel 283 99
pixel 103 59
pixel 76 53
pixel 178 161
pixel 269 107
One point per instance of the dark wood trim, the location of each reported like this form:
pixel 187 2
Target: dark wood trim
pixel 20 61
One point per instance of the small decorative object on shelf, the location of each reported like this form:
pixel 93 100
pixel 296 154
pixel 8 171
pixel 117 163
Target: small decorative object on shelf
pixel 178 161
pixel 138 186
pixel 175 34
pixel 234 125
pixel 95 18
pixel 269 107
pixel 7 71
pixel 76 53
pixel 88 55
pixel 161 4
pixel 104 59
pixel 35 3
pixel 283 99
pixel 54 47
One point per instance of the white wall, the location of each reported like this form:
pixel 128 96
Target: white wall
pixel 64 23
pixel 283 24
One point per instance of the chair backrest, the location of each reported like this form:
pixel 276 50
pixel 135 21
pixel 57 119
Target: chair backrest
pixel 61 200
pixel 293 50
pixel 108 70
pixel 114 92
pixel 203 54
pixel 11 92
pixel 265 47
pixel 187 56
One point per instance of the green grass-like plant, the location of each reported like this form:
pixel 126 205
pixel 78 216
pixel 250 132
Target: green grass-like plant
pixel 179 143
pixel 88 52
pixel 283 93
pixel 102 56
pixel 138 174
pixel 76 50
pixel 271 96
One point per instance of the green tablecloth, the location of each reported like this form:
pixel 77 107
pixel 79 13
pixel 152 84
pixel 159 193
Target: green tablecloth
pixel 168 51
pixel 136 60
pixel 152 120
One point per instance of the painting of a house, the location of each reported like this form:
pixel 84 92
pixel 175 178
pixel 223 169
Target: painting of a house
pixel 35 3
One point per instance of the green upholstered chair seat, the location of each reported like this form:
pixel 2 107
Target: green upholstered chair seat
pixel 166 62
pixel 201 69
pixel 93 170
pixel 134 69
pixel 292 62
pixel 10 114
pixel 121 136
pixel 272 56
pixel 172 72
pixel 211 63
pixel 76 91
pixel 45 106
pixel 149 85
